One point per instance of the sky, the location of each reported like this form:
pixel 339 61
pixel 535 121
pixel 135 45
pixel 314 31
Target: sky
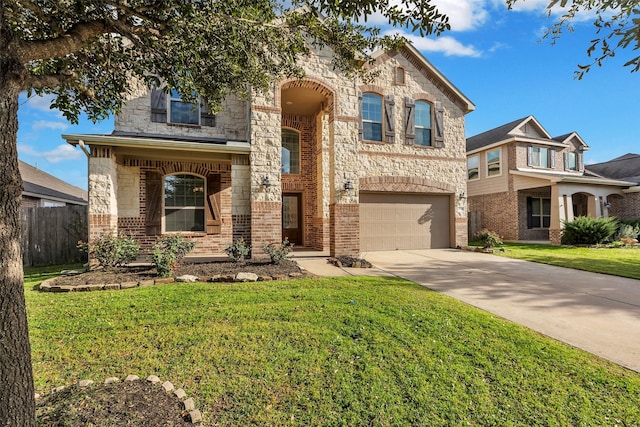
pixel 496 57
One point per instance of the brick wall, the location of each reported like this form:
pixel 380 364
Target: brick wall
pixel 266 226
pixel 345 229
pixel 499 213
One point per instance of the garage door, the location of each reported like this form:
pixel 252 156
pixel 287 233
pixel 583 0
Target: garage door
pixel 403 221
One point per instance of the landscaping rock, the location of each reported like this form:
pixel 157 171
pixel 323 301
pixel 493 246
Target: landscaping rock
pixel 295 274
pixel 168 387
pixel 189 404
pixel 196 416
pixel 128 285
pixel 85 383
pixel 146 283
pixel 112 286
pixel 180 394
pixel 246 277
pixel 132 378
pixel 164 280
pixel 112 380
pixel 153 379
pixel 187 278
pixel 71 272
pixel 265 278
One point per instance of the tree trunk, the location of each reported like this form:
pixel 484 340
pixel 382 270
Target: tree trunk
pixel 17 403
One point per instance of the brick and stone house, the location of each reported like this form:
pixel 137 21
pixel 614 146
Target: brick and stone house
pixel 524 183
pixel 326 161
pixel 625 168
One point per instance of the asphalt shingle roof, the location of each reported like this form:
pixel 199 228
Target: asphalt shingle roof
pixel 41 183
pixel 492 136
pixel 626 167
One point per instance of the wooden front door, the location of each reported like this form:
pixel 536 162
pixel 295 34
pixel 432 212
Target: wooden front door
pixel 292 218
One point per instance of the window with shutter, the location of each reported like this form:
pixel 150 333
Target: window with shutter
pixel 423 128
pixel 439 131
pixel 184 204
pixel 371 117
pixel 390 119
pixel 409 121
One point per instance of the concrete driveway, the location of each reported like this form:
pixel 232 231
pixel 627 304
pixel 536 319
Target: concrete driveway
pixel 594 312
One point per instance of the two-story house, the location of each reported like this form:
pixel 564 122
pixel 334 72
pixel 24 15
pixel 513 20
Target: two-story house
pixel 326 161
pixel 524 183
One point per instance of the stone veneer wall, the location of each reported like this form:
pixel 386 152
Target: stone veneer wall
pixel 241 197
pixel 103 181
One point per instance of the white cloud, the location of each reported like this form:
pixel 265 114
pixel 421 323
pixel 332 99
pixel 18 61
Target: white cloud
pixel 41 103
pixel 541 7
pixel 58 154
pixel 446 45
pixel 49 124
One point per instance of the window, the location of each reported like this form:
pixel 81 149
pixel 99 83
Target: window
pixel 538 212
pixel 573 161
pixel 400 76
pixel 372 117
pixel 493 162
pixel 472 167
pixel 183 112
pixel 423 123
pixel 184 203
pixel 290 152
pixel 541 157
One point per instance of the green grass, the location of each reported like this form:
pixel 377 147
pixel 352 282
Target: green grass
pixel 330 352
pixel 624 261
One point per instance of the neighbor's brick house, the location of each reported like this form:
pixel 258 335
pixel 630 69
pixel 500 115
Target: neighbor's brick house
pixel 524 183
pixel 326 161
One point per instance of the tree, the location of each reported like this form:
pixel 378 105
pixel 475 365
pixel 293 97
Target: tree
pixel 88 53
pixel 617 25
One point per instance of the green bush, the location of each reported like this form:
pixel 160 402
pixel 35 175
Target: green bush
pixel 585 230
pixel 489 239
pixel 112 250
pixel 278 252
pixel 168 252
pixel 238 250
pixel 627 231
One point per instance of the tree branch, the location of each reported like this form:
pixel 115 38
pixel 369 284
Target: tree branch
pixel 72 41
pixel 49 80
pixel 37 11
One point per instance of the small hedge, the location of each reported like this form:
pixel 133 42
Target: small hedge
pixel 584 230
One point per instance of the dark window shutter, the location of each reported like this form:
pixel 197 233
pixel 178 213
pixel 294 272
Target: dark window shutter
pixel 580 161
pixel 552 158
pixel 158 105
pixel 565 159
pixel 360 131
pixel 206 117
pixel 214 220
pixel 390 119
pixel 439 131
pixel 409 121
pixel 153 199
pixel 530 155
pixel 529 212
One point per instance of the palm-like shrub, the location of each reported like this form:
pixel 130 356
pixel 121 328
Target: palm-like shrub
pixel 585 230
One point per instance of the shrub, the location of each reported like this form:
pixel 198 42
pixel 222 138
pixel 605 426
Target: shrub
pixel 489 239
pixel 278 252
pixel 584 230
pixel 168 252
pixel 112 250
pixel 238 250
pixel 627 230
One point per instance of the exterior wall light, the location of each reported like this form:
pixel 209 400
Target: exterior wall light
pixel 462 196
pixel 348 185
pixel 265 182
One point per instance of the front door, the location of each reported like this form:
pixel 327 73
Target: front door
pixel 292 218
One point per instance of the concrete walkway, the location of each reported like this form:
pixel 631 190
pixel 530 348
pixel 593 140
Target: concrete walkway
pixel 594 312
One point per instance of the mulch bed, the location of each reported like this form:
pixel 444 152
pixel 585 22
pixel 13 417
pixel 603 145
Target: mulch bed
pixel 210 271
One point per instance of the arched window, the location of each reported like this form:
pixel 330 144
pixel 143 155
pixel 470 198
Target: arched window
pixel 423 123
pixel 372 117
pixel 184 203
pixel 290 152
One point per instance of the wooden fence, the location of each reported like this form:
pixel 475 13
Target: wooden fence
pixel 475 223
pixel 51 235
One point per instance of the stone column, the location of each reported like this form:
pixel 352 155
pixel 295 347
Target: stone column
pixel 241 197
pixel 555 226
pixel 266 201
pixel 103 206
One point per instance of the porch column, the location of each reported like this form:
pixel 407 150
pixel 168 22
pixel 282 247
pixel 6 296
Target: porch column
pixel 241 197
pixel 103 188
pixel 266 189
pixel 569 207
pixel 557 208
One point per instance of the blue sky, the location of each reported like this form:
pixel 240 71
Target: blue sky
pixel 494 56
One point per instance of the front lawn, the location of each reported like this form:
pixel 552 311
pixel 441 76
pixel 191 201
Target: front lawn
pixel 624 261
pixel 326 352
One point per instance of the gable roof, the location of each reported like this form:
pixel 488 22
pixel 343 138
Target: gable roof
pixel 626 167
pixel 423 64
pixel 39 184
pixel 515 129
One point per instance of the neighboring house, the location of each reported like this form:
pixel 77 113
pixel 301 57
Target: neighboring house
pixel 626 168
pixel 43 190
pixel 525 183
pixel 326 161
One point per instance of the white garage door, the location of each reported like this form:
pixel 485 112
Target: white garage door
pixel 403 221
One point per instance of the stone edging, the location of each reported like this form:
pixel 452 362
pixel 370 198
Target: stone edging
pixel 195 417
pixel 50 285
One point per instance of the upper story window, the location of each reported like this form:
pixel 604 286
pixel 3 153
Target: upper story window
pixel 172 109
pixel 493 162
pixel 182 112
pixel 184 203
pixel 541 157
pixel 473 170
pixel 573 161
pixel 290 152
pixel 423 123
pixel 372 117
pixel 400 75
